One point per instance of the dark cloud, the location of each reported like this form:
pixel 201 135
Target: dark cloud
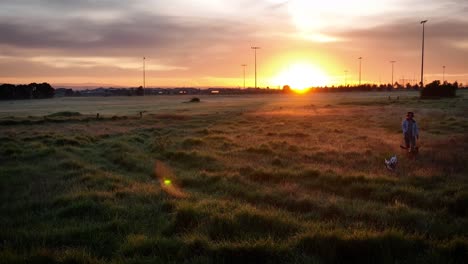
pixel 449 29
pixel 137 31
pixel 64 5
pixel 405 36
pixel 402 42
pixel 74 28
pixel 179 41
pixel 65 25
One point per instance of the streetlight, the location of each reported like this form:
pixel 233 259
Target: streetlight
pixel 243 66
pixel 422 60
pixel 144 75
pixel 360 64
pixel 443 74
pixel 346 78
pixel 392 62
pixel 255 51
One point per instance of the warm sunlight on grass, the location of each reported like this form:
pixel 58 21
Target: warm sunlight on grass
pixel 184 184
pixel 301 76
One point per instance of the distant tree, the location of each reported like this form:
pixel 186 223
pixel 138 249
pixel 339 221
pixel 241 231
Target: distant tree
pixel 397 85
pixel 69 92
pixel 286 89
pixel 140 91
pixel 22 91
pixel 435 89
pixel 7 91
pixel 42 90
pixel 64 92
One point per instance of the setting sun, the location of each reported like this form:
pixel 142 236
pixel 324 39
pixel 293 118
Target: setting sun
pixel 301 76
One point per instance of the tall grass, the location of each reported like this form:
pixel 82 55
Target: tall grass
pixel 297 179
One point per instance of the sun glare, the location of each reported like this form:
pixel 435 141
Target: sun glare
pixel 301 76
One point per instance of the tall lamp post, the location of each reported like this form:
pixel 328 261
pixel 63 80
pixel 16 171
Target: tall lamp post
pixel 392 62
pixel 144 75
pixel 243 66
pixel 443 74
pixel 422 59
pixel 255 51
pixel 360 64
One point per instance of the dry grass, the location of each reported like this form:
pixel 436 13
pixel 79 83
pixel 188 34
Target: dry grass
pixel 166 178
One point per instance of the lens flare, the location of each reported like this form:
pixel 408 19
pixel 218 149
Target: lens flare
pixel 301 76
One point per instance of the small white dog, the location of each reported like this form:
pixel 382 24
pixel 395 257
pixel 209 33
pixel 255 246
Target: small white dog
pixel 392 163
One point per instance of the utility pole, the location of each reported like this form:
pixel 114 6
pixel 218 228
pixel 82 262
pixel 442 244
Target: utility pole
pixel 144 75
pixel 422 59
pixel 255 51
pixel 243 66
pixel 443 74
pixel 360 64
pixel 392 62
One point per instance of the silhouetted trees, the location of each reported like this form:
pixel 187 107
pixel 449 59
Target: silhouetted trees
pixel 30 91
pixel 435 89
pixel 44 90
pixel 61 92
pixel 366 88
pixel 140 91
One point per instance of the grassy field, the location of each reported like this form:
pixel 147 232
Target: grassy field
pixel 252 179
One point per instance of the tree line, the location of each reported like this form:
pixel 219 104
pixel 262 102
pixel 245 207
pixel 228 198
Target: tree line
pixel 26 91
pixel 433 89
pixel 45 90
pixel 360 88
pixel 437 89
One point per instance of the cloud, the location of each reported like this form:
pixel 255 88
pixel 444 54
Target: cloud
pixel 178 42
pixel 211 37
pixel 461 44
pixel 137 32
pixel 406 32
pixel 128 63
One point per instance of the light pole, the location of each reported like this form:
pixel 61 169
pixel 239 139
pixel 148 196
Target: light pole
pixel 392 62
pixel 144 73
pixel 422 59
pixel 255 51
pixel 443 74
pixel 243 66
pixel 346 78
pixel 360 64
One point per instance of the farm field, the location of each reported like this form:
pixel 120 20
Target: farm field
pixel 251 179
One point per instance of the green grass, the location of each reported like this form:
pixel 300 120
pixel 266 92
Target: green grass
pixel 280 179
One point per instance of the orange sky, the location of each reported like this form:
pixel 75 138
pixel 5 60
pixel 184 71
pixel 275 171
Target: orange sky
pixel 204 43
